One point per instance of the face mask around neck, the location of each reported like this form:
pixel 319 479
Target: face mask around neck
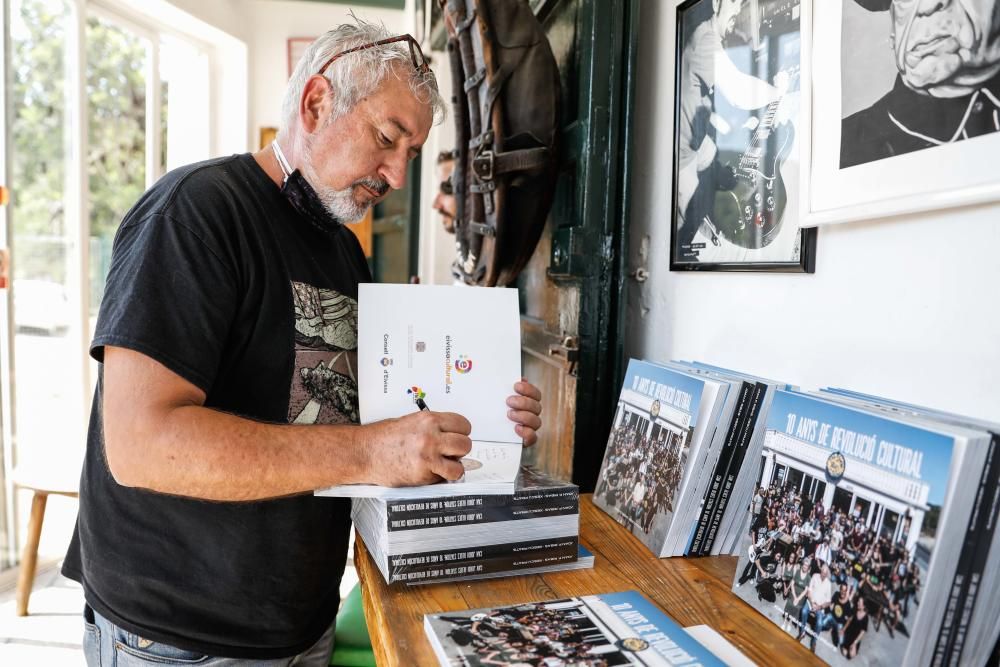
pixel 303 197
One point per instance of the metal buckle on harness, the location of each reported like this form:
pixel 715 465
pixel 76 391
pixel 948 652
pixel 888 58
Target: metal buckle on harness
pixel 482 164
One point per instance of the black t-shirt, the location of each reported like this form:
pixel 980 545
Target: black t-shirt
pixel 214 275
pixel 841 606
pixel 767 563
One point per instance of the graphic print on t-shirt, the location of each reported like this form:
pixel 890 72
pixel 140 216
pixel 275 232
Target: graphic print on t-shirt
pixel 324 386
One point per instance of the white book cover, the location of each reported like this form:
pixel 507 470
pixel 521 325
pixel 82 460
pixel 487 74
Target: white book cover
pixel 455 349
pixel 719 646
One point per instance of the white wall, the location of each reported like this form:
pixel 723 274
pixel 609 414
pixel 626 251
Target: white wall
pixel 907 308
pixel 271 24
pixel 221 26
pixel 228 16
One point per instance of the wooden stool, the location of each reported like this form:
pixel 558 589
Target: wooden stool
pixel 44 480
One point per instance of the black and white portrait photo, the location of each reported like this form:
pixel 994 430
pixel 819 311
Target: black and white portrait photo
pixel 917 74
pixel 736 147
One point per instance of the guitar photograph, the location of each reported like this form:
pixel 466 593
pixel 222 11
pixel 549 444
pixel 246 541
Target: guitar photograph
pixel 736 172
pixel 749 214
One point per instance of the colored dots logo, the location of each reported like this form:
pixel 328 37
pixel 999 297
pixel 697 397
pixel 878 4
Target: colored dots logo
pixel 463 364
pixel 416 393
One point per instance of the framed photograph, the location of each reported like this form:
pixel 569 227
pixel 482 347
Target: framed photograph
pixel 296 47
pixel 736 202
pixel 267 135
pixel 901 125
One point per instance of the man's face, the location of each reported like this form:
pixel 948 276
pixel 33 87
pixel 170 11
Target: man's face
pixel 353 161
pixel 726 14
pixel 445 204
pixel 946 42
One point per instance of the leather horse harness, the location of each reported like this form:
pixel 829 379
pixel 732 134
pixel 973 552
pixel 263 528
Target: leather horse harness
pixel 506 111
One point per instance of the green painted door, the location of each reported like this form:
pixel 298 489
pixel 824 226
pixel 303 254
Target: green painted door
pixel 572 292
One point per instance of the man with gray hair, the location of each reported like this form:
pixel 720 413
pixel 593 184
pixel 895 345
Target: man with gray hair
pixel 227 388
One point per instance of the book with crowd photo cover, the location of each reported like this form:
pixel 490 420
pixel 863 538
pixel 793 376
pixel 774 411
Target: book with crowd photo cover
pixel 449 349
pixel 720 516
pixel 855 531
pixel 609 629
pixel 664 426
pixel 968 629
pixel 694 511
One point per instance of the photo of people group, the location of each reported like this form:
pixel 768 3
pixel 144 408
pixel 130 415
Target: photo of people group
pixel 641 473
pixel 543 634
pixel 823 575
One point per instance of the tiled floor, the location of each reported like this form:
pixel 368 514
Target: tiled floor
pixel 52 633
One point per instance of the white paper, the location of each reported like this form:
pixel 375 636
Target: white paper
pixel 718 645
pixel 459 350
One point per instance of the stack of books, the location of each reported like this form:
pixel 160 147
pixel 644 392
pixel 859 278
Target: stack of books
pixel 675 471
pixel 871 532
pixel 433 539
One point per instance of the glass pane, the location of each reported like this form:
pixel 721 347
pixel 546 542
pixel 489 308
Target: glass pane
pixel 889 522
pixel 117 67
pixel 842 500
pixel 794 480
pixel 184 115
pixel 48 403
pixel 820 491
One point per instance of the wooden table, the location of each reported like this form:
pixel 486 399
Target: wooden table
pixel 693 591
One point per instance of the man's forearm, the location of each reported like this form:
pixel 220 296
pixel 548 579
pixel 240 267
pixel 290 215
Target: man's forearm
pixel 199 452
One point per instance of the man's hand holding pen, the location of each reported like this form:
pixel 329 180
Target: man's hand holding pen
pixel 428 446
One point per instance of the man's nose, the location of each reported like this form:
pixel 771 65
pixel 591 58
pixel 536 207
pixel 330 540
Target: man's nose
pixel 393 171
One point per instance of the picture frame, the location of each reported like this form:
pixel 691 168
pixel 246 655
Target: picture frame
pixel 739 209
pixel 961 173
pixel 296 47
pixel 267 135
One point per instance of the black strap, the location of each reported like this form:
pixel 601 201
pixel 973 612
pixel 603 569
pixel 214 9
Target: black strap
pixel 480 139
pixel 487 165
pixel 482 188
pixel 483 229
pixel 475 79
pixel 464 25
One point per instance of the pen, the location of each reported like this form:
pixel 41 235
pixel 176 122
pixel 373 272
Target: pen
pixel 420 404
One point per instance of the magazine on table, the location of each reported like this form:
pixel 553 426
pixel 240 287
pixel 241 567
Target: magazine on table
pixel 608 629
pixel 446 349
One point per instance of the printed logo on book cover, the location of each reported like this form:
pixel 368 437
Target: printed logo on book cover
pixel 324 386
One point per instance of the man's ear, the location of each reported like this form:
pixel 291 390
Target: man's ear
pixel 314 106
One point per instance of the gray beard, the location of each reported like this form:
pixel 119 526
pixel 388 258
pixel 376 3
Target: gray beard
pixel 338 203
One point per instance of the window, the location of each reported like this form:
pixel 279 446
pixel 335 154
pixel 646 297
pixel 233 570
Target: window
pixel 88 136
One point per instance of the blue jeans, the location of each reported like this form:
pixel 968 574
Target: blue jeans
pixel 824 621
pixel 107 645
